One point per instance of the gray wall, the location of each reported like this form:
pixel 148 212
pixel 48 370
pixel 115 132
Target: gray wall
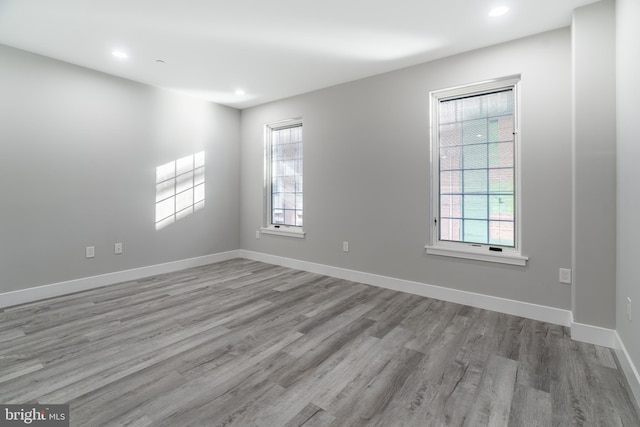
pixel 366 172
pixel 628 109
pixel 78 152
pixel 594 225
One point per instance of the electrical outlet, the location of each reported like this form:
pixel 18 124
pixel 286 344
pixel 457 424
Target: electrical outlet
pixel 345 246
pixel 117 248
pixel 90 251
pixel 565 275
pixel 257 234
pixel 629 308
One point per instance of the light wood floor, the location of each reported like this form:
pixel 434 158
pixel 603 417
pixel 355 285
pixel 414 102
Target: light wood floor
pixel 242 343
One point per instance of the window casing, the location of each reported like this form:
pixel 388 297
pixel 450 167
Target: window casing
pixel 283 198
pixel 475 172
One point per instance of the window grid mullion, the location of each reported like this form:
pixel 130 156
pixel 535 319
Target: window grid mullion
pixel 464 190
pixel 488 173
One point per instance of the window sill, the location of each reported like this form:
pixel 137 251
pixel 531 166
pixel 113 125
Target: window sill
pixel 501 258
pixel 284 232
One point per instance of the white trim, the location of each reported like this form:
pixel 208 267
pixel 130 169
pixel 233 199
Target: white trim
pixel 629 369
pixel 475 88
pixel 499 257
pixel 23 296
pixel 285 231
pixel 593 334
pixel 518 308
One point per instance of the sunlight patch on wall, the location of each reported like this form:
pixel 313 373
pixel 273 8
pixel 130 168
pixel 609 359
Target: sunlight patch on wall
pixel 179 189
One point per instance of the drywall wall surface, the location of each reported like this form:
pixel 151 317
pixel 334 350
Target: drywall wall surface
pixel 594 164
pixel 628 145
pixel 367 172
pixel 78 156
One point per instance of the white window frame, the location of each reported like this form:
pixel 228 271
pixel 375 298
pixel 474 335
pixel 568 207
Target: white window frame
pixel 268 227
pixel 480 252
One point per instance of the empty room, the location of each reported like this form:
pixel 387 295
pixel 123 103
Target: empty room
pixel 286 213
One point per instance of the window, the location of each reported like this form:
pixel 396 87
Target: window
pixel 179 189
pixel 283 178
pixel 475 172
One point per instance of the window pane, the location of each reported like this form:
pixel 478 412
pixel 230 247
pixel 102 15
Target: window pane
pixel 501 180
pixel 501 103
pixel 450 229
pixel 501 207
pixel 450 182
pixel 473 107
pixel 475 207
pixel 501 129
pixel 289 200
pixel 501 233
pixel 290 217
pixel 288 184
pixel 475 131
pixel 451 207
pixel 277 201
pixel 450 111
pixel 475 181
pixel 474 156
pixel 450 134
pixel 475 231
pixel 501 155
pixel 278 216
pixel 450 158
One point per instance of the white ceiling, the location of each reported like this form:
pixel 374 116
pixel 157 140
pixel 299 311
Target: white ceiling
pixel 270 48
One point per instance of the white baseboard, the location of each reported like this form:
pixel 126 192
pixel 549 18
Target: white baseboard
pixel 518 308
pixel 593 334
pixel 629 369
pixel 23 296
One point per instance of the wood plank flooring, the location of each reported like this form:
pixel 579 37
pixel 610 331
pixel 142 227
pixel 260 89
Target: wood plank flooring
pixel 241 343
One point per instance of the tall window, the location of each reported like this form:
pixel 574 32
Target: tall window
pixel 475 168
pixel 284 178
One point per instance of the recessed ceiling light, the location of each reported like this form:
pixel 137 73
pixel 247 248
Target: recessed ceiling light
pixel 239 92
pixel 119 54
pixel 499 11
